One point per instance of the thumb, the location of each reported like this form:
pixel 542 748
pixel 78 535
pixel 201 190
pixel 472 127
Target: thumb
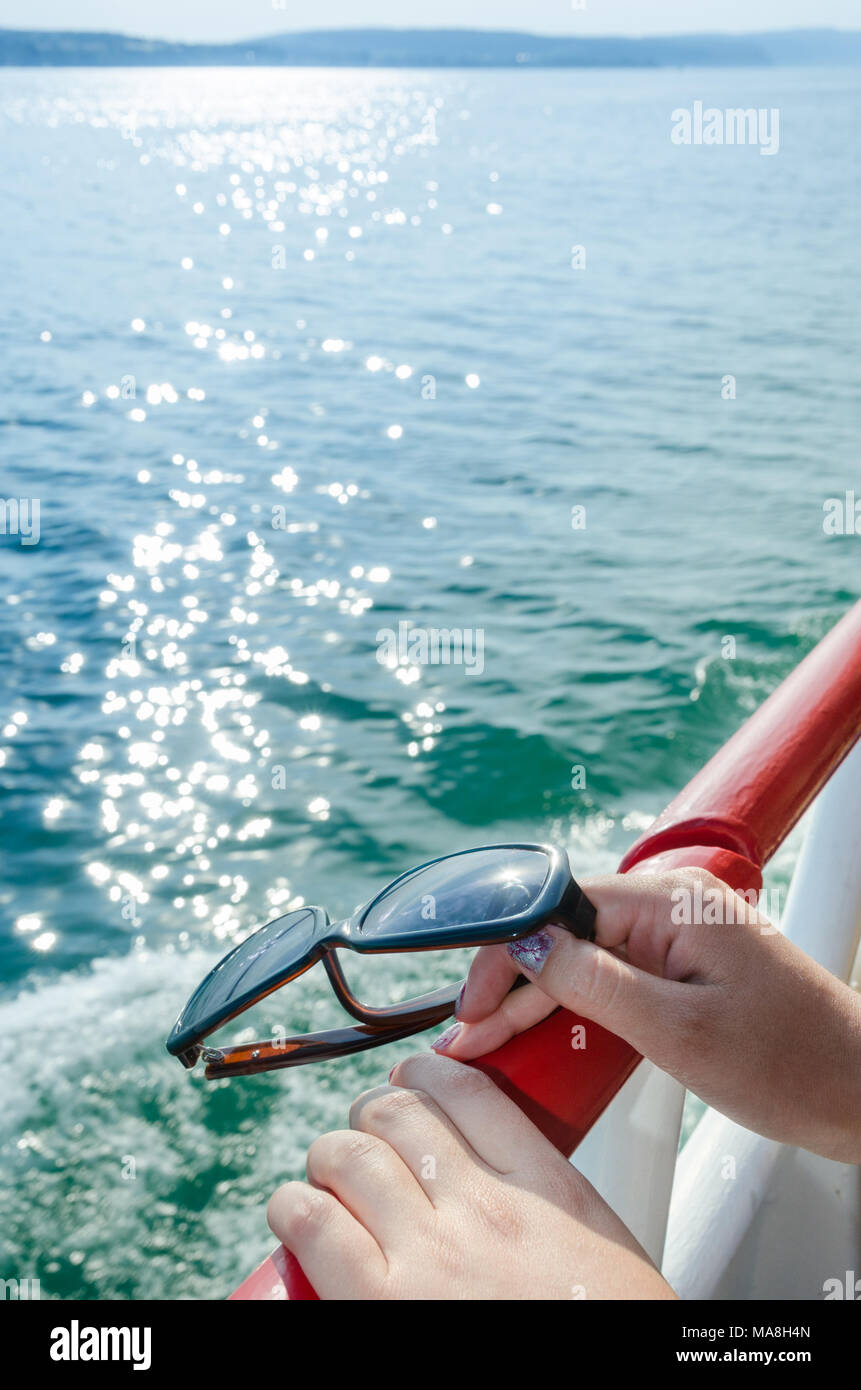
pixel 646 1010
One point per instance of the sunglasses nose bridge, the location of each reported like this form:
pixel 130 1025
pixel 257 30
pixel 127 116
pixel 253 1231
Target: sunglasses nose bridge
pixel 340 933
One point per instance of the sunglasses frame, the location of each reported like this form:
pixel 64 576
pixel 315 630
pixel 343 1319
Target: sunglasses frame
pixel 560 899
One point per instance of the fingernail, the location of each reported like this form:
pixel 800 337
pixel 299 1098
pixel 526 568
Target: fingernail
pixel 532 951
pixel 447 1038
pixel 459 999
pixel 393 1070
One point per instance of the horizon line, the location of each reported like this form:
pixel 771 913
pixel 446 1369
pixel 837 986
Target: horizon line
pixel 451 29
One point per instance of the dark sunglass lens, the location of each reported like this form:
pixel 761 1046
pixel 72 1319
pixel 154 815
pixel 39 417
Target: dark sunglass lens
pixel 463 890
pixel 245 973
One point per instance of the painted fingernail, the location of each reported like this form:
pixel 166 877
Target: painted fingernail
pixel 447 1038
pixel 459 999
pixel 532 951
pixel 393 1070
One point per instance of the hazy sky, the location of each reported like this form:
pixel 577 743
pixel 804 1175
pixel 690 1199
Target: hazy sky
pixel 236 19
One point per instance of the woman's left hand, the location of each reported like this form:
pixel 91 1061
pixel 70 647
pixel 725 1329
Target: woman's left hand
pixel 442 1189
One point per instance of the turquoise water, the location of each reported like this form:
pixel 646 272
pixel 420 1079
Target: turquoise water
pixel 195 728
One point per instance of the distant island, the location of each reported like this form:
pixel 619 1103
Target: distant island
pixel 432 48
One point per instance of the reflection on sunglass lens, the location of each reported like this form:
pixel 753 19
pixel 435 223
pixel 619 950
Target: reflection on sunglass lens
pixel 247 971
pixel 463 890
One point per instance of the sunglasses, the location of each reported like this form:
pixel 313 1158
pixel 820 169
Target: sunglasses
pixel 477 897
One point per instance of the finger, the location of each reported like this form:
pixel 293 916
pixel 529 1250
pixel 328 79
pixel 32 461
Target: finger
pixel 646 1011
pixel 636 917
pixel 519 1010
pixel 423 1135
pixel 493 1126
pixel 337 1253
pixel 371 1180
pixel 491 975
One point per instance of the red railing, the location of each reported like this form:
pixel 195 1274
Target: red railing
pixel 730 819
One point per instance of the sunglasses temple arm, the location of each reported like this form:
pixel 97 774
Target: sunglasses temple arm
pixel 433 1007
pixel 273 1053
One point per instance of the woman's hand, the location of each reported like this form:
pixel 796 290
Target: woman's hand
pixel 730 1007
pixel 442 1189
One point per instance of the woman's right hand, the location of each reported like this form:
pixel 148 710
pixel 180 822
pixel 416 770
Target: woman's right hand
pixel 727 1005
